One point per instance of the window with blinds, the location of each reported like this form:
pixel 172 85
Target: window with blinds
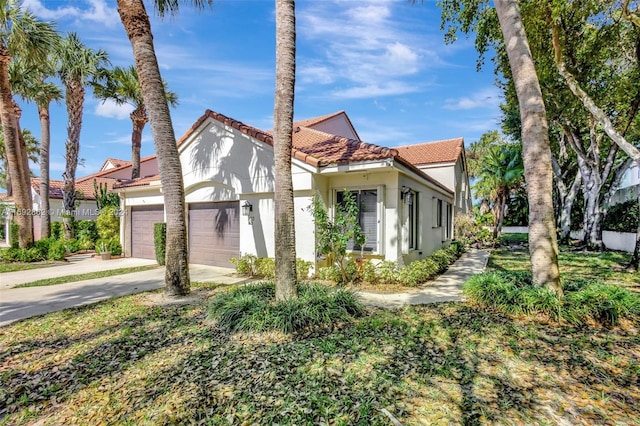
pixel 367 200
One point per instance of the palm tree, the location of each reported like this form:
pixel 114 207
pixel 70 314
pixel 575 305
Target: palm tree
pixel 136 22
pixel 536 151
pixel 77 65
pixel 32 146
pixel 500 173
pixel 21 35
pixel 285 242
pixel 122 86
pixel 30 84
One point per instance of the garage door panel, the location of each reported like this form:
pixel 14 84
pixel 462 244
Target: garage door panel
pixel 143 219
pixel 214 233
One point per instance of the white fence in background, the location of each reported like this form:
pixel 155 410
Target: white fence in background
pixel 623 241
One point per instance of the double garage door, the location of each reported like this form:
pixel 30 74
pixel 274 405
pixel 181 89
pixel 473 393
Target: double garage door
pixel 214 232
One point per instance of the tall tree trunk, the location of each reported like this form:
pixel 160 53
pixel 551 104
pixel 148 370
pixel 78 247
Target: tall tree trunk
pixel 500 207
pixel 138 120
pixel 45 126
pixel 136 23
pixel 536 153
pixel 285 235
pixel 566 198
pixel 21 189
pixel 635 259
pixel 75 105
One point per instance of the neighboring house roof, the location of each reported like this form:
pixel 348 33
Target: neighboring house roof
pixel 316 148
pixel 310 122
pixel 5 198
pixel 444 151
pixel 115 163
pixel 105 173
pixel 143 181
pixel 84 185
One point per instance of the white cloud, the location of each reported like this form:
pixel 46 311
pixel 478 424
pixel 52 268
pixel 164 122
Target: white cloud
pixel 483 98
pixel 95 11
pixel 110 109
pixel 374 90
pixel 363 47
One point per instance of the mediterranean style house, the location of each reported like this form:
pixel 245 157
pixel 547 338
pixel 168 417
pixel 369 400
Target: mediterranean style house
pixel 407 195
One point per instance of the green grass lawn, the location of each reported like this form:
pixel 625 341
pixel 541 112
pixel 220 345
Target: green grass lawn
pixel 18 266
pixel 87 276
pixel 127 361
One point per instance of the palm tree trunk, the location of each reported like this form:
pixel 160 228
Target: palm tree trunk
pixel 14 154
pixel 138 120
pixel 285 235
pixel 136 23
pixel 536 153
pixel 45 127
pixel 75 107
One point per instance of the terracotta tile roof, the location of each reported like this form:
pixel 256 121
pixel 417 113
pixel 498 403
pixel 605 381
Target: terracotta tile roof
pixel 115 162
pixel 143 181
pixel 322 149
pixel 444 151
pixel 85 186
pixel 310 122
pixel 5 198
pixel 106 173
pixel 319 149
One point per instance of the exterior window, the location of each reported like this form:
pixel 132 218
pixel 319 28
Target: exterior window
pixel 437 213
pixel 449 217
pixel 412 204
pixel 367 200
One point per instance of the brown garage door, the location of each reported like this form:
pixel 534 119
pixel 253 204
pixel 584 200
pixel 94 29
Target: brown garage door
pixel 142 220
pixel 214 233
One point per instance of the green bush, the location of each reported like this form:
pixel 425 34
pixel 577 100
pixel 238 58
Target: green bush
pixel 160 241
pixel 86 230
pixel 43 246
pixel 253 308
pixel 622 217
pixel 14 234
pixel 469 231
pixel 303 267
pixel 266 267
pixel 514 293
pixel 108 223
pixel 57 250
pixel 604 303
pixel 418 272
pixel 111 245
pixel 56 230
pixel 245 265
pixel 73 246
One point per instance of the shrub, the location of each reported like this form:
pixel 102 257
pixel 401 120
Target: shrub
pixel 43 246
pixel 57 250
pixel 622 217
pixel 265 267
pixel 252 308
pixel 387 272
pixel 513 293
pixel 469 232
pixel 418 272
pixel 73 246
pixel 14 232
pixel 245 265
pixel 160 241
pixel 112 246
pixel 86 230
pixel 302 269
pixel 9 255
pixel 56 230
pixel 108 223
pixel 604 303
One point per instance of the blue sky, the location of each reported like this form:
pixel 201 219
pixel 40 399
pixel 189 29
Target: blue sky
pixel 384 62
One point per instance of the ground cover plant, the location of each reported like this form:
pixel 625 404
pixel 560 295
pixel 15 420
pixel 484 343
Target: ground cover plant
pixel 126 361
pixel 252 308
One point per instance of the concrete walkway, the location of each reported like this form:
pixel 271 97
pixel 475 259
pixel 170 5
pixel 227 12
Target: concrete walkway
pixel 21 303
pixel 78 264
pixel 446 288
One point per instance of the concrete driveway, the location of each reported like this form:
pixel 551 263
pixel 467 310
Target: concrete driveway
pixel 21 303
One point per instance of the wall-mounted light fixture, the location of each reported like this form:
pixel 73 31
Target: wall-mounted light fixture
pixel 247 210
pixel 406 194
